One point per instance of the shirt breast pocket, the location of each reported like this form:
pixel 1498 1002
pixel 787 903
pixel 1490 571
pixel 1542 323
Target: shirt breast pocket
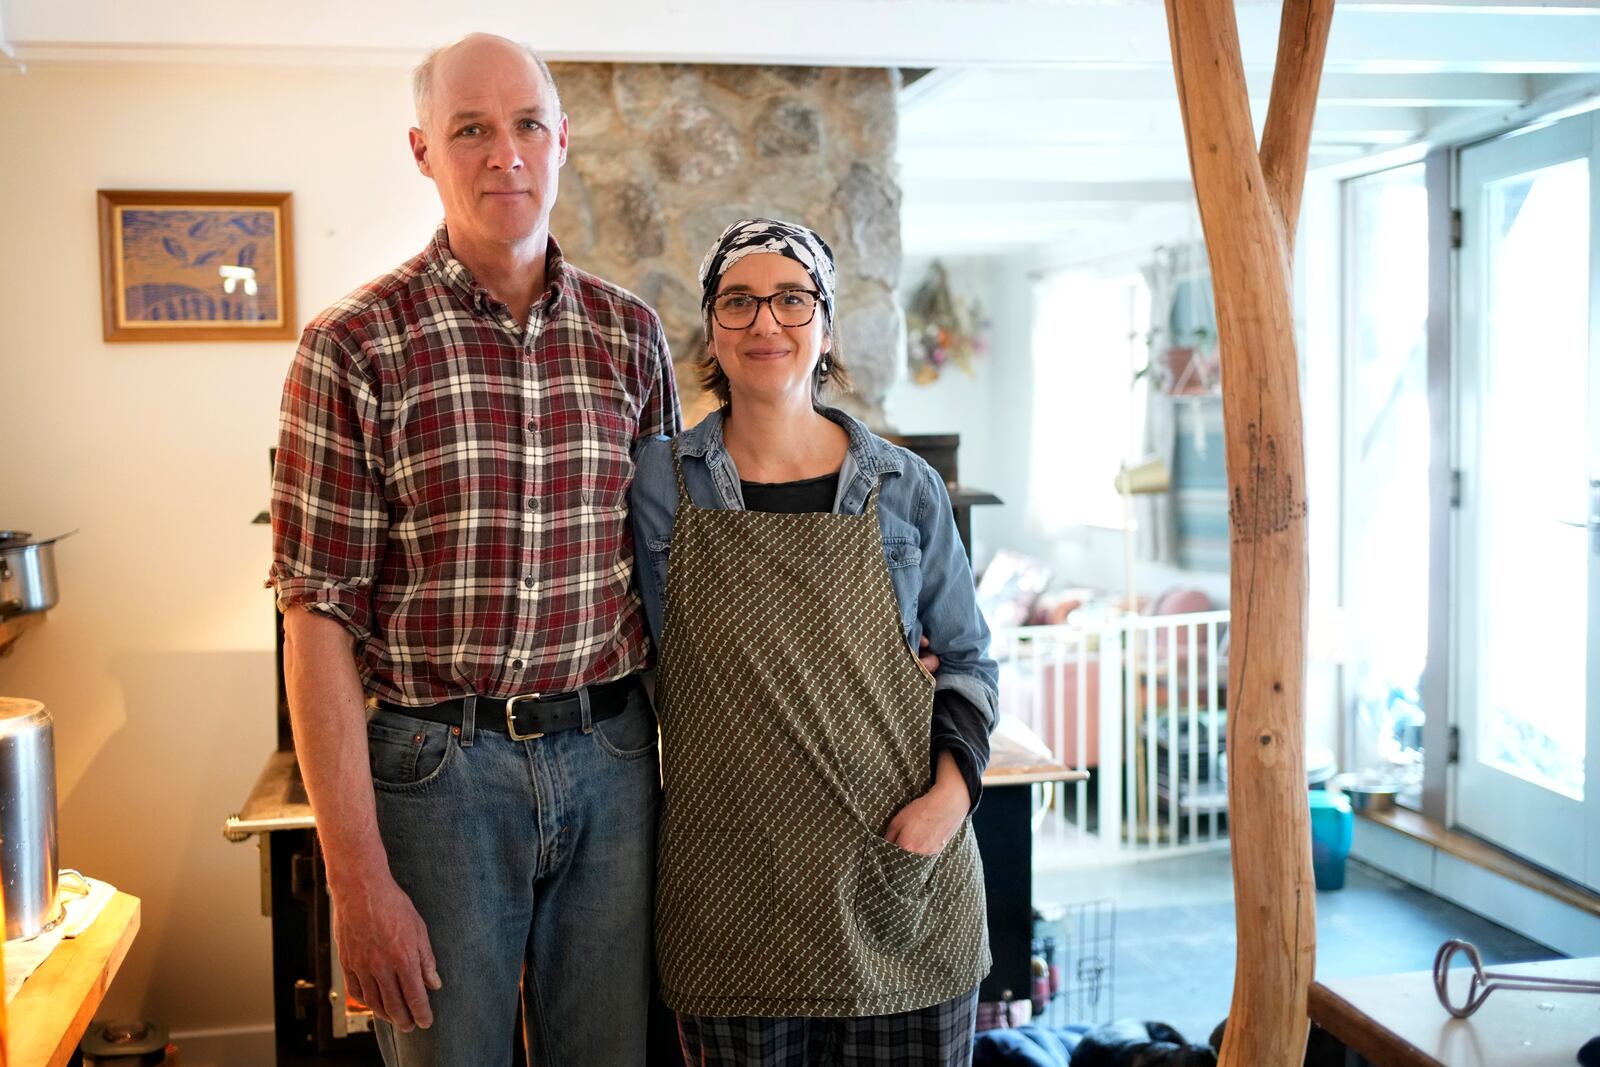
pixel 904 559
pixel 598 447
pixel 657 551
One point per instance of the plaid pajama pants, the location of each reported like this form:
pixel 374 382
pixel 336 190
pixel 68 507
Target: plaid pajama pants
pixel 937 1036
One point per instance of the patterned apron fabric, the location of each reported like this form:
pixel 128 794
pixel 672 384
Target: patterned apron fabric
pixel 795 723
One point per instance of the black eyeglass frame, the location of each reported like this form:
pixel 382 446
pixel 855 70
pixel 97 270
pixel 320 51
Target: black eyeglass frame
pixel 814 294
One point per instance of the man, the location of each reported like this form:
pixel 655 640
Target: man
pixel 450 540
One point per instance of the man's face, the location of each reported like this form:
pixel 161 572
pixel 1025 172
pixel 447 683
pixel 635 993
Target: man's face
pixel 494 144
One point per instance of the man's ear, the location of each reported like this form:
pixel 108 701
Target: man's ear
pixel 419 151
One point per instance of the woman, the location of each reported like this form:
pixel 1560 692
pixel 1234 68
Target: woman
pixel 819 895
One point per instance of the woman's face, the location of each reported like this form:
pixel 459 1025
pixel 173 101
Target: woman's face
pixel 767 360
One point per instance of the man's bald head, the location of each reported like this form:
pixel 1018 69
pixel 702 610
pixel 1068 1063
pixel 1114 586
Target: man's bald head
pixel 422 78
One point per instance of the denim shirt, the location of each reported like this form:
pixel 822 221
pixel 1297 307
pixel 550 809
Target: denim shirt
pixel 927 564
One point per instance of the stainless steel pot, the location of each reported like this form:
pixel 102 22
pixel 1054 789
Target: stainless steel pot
pixel 29 851
pixel 27 573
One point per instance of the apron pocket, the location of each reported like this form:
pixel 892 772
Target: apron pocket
pixel 893 888
pixel 714 896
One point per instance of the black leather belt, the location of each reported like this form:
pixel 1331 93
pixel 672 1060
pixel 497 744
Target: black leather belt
pixel 531 715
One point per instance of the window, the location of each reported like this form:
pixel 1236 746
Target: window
pixel 1088 344
pixel 1386 434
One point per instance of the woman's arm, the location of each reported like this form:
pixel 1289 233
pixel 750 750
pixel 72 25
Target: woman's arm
pixel 966 685
pixel 652 508
pixel 947 605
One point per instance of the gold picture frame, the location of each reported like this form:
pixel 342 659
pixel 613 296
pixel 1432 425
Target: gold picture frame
pixel 196 266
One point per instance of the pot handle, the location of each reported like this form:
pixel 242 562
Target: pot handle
pixel 57 537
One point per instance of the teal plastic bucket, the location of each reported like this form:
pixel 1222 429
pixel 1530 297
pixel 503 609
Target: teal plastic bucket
pixel 1331 829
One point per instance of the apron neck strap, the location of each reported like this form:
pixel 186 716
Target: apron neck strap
pixel 871 506
pixel 677 470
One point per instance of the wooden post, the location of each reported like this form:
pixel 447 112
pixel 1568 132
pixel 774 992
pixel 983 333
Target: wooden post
pixel 1249 202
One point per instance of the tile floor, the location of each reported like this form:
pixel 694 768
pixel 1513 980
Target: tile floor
pixel 1173 938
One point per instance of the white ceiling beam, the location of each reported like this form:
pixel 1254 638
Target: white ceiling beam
pixel 1134 163
pixel 1078 214
pixel 983 233
pixel 1005 85
pixel 918 33
pixel 1121 122
pixel 962 194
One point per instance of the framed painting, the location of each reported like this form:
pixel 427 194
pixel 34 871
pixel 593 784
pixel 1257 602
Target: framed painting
pixel 186 266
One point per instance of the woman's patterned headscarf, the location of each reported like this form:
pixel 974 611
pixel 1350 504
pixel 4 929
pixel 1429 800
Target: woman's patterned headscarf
pixel 787 239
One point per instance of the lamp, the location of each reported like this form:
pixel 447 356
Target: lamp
pixel 1151 476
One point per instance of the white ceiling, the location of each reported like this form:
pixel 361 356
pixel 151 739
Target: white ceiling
pixel 1043 122
pixel 1076 156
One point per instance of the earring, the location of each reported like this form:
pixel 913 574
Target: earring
pixel 822 364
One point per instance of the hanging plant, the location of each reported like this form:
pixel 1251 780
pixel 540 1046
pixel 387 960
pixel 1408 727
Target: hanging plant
pixel 940 330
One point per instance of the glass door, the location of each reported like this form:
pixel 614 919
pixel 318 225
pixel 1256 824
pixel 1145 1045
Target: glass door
pixel 1526 632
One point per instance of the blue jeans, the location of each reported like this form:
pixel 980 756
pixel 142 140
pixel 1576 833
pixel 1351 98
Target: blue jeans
pixel 533 865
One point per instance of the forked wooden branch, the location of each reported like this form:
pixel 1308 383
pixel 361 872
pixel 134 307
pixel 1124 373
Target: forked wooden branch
pixel 1249 202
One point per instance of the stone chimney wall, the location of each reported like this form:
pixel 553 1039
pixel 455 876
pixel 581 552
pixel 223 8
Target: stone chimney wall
pixel 664 156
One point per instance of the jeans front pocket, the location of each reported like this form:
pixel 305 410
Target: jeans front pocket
pixel 631 734
pixel 404 753
pixel 893 888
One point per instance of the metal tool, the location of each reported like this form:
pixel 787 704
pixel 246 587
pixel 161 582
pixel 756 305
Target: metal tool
pixel 1485 982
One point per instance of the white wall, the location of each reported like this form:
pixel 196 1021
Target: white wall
pixel 993 409
pixel 157 665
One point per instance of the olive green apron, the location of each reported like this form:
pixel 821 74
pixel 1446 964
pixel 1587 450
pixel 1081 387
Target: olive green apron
pixel 795 723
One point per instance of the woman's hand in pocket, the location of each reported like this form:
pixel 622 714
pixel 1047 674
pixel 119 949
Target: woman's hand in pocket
pixel 927 823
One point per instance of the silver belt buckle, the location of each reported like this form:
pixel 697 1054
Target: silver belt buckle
pixel 511 718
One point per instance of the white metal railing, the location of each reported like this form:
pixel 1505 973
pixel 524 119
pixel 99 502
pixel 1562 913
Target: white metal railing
pixel 1138 701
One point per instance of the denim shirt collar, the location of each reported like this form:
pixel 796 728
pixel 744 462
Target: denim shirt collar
pixel 867 459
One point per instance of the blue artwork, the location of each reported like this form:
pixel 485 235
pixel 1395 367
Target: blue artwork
pixel 210 266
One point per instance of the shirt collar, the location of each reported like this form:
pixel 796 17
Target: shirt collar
pixel 873 455
pixel 442 262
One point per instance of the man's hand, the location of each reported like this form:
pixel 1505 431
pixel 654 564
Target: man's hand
pixel 383 942
pixel 929 661
pixel 927 823
pixel 383 946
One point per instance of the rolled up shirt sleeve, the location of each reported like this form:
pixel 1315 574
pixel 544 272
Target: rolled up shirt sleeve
pixel 962 730
pixel 662 414
pixel 329 515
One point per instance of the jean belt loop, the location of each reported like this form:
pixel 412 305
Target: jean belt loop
pixel 469 719
pixel 583 710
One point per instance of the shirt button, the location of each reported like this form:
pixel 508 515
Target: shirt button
pixel 516 664
pixel 533 426
pixel 533 504
pixel 529 582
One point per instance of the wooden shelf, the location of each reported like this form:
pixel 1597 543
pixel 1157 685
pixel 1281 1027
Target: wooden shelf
pixel 13 628
pixel 58 1001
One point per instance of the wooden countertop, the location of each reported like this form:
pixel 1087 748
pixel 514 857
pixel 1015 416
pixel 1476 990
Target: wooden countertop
pixel 1397 1020
pixel 58 1001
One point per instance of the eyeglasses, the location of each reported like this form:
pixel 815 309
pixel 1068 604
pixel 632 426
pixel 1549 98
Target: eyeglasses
pixel 791 307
